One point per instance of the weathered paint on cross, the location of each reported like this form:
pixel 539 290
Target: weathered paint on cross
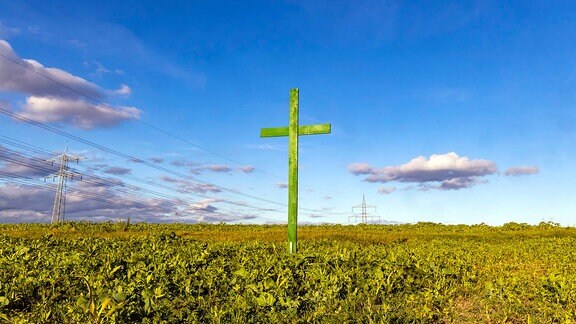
pixel 293 131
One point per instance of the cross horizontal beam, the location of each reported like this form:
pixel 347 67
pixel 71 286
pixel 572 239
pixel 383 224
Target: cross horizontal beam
pixel 302 130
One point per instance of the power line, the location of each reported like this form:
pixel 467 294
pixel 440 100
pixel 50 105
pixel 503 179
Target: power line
pixel 22 145
pixel 128 188
pixel 92 196
pixel 132 158
pixel 112 184
pixel 74 192
pixel 129 157
pixel 35 149
pixel 100 102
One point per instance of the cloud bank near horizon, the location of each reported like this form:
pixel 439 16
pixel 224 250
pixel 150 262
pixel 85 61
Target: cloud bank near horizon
pixel 521 170
pixel 447 171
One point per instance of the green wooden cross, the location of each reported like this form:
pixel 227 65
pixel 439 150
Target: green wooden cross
pixel 293 131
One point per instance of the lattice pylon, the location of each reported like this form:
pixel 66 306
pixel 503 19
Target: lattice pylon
pixel 63 174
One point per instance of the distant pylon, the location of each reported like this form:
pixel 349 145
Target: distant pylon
pixel 364 212
pixel 63 175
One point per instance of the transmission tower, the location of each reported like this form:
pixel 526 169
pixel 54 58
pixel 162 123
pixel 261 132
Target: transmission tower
pixel 363 215
pixel 63 175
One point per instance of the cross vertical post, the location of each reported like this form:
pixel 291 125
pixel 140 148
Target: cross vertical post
pixel 293 173
pixel 293 131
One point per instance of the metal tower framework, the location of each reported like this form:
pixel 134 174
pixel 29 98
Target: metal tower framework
pixel 363 215
pixel 63 174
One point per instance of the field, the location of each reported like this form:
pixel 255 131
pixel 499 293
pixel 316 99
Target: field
pixel 151 273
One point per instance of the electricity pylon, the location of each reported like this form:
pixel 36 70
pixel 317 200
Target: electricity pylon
pixel 363 215
pixel 63 174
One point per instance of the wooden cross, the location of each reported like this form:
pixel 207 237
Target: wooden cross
pixel 293 131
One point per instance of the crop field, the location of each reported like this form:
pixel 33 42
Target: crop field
pixel 152 273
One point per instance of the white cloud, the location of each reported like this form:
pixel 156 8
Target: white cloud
pixel 14 164
pixel 56 96
pixel 97 199
pixel 458 183
pixel 196 168
pixel 100 69
pixel 124 90
pixel 281 185
pixel 26 77
pixel 187 186
pixel 15 197
pixel 203 206
pixel 451 170
pixel 247 169
pixel 360 168
pixel 218 168
pixel 215 217
pixel 521 170
pixel 183 163
pixel 84 201
pixel 155 159
pixel 118 170
pixel 76 112
pixel 386 190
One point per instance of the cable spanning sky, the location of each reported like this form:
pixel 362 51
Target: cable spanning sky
pixel 450 112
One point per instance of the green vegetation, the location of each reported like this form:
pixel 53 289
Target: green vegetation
pixel 106 273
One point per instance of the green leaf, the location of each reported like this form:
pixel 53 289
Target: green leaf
pixel 241 272
pixel 269 283
pixel 119 297
pixel 115 269
pixel 265 299
pixel 82 303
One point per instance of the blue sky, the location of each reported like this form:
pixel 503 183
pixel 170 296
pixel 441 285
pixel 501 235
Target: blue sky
pixel 450 111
